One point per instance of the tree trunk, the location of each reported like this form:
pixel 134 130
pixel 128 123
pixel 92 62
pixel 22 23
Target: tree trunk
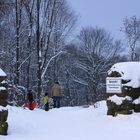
pixel 18 20
pixel 39 81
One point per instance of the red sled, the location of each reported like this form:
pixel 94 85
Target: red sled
pixel 33 105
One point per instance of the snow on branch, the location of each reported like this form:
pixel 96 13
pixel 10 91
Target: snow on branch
pixel 81 66
pixel 81 82
pixel 25 60
pixel 42 76
pixel 78 80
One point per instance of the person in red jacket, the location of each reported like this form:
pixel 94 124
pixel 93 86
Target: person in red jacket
pixel 30 99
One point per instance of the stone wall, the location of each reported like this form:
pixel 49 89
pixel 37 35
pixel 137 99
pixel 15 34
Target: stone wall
pixel 127 107
pixel 121 105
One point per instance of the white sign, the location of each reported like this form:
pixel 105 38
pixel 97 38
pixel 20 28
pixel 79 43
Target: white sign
pixel 113 85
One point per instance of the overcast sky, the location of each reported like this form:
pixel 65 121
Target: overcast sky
pixel 105 13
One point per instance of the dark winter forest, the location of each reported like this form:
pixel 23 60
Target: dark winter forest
pixel 38 47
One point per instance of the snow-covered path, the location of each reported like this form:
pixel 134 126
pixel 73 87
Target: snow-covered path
pixel 71 123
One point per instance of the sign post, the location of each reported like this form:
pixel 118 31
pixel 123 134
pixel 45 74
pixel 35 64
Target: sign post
pixel 113 85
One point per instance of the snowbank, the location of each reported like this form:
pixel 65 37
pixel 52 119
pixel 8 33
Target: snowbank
pixel 71 123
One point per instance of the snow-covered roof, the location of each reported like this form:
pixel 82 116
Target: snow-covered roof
pixel 2 73
pixel 128 71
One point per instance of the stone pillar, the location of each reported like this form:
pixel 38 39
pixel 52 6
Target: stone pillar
pixel 3 104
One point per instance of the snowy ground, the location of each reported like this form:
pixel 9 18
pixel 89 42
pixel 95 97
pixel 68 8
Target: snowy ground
pixel 71 123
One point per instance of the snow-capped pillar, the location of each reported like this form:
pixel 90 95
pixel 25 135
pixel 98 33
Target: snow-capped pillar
pixel 3 104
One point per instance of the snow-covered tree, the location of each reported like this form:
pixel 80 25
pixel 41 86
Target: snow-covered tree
pixel 131 29
pixel 98 50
